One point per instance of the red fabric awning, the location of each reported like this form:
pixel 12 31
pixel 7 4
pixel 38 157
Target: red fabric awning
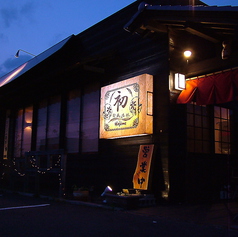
pixel 212 89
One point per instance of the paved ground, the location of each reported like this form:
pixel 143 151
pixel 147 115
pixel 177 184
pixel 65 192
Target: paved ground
pixel 76 218
pixel 222 214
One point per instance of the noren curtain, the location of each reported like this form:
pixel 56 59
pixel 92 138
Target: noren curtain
pixel 212 89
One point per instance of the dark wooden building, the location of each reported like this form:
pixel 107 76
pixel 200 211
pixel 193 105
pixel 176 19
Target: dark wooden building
pixel 62 118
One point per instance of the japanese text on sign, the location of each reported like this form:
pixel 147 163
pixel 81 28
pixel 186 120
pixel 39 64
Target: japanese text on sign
pixel 121 108
pixel 141 175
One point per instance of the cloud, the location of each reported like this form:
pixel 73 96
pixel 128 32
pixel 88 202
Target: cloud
pixel 57 38
pixel 3 38
pixel 12 63
pixel 8 16
pixel 27 8
pixel 12 14
pixel 2 73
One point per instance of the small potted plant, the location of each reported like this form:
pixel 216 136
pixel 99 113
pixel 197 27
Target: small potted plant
pixel 80 192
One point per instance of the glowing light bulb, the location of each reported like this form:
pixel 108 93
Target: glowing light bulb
pixel 187 53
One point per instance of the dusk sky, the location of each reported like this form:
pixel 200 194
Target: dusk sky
pixel 35 26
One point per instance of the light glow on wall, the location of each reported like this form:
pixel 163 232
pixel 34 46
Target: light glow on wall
pixel 127 108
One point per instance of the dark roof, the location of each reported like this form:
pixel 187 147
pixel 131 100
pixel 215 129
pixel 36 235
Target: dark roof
pixel 212 22
pixel 95 42
pixel 188 8
pixel 173 2
pixel 32 63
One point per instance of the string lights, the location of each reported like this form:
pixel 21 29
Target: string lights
pixel 15 169
pixel 34 161
pixel 34 164
pixel 41 162
pixel 4 173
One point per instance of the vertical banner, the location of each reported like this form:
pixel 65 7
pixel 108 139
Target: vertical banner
pixel 142 172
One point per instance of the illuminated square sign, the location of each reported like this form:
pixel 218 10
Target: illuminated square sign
pixel 126 108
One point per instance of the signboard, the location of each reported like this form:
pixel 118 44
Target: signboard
pixel 142 172
pixel 126 108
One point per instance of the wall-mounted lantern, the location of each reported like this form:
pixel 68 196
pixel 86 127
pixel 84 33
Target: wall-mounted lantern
pixel 226 51
pixel 179 81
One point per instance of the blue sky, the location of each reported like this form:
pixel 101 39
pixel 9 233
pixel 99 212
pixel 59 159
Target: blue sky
pixel 36 25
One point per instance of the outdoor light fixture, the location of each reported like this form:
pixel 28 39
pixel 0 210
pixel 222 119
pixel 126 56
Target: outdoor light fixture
pixel 18 52
pixel 28 125
pixel 226 50
pixel 187 54
pixel 179 81
pixel 107 189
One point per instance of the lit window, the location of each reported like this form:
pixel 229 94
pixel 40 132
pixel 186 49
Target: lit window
pixel 222 130
pixel 90 118
pixel 6 135
pixel 48 124
pixel 23 131
pixel 201 130
pixel 73 121
pixel 198 139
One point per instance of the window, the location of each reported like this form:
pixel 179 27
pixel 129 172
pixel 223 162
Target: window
pixel 53 123
pixel 201 130
pixel 48 124
pixel 23 131
pixel 6 135
pixel 198 139
pixel 41 125
pixel 90 118
pixel 73 121
pixel 222 130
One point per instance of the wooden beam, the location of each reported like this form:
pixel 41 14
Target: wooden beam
pixel 210 65
pixel 199 30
